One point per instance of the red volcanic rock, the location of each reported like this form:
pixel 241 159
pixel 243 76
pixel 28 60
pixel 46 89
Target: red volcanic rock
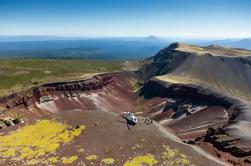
pixel 16 101
pixel 222 141
pixel 97 82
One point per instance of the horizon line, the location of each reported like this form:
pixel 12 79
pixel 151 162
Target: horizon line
pixel 119 36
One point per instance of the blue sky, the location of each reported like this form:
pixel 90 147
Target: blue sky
pixel 164 18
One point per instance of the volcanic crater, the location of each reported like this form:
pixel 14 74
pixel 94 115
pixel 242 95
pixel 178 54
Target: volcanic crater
pixel 197 97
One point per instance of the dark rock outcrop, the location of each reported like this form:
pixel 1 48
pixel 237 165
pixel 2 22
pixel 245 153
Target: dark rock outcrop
pixel 221 140
pixel 94 83
pixel 157 88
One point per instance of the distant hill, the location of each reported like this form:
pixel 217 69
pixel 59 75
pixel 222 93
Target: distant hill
pixel 90 48
pixel 152 37
pixel 106 48
pixel 234 43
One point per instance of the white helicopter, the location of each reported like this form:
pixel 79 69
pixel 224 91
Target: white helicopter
pixel 130 118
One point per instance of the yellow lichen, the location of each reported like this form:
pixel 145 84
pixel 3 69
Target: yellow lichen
pixel 183 161
pixel 107 161
pixel 81 150
pixel 137 146
pixel 148 159
pixel 91 157
pixel 174 157
pixel 33 162
pixel 168 154
pixel 107 149
pixel 183 156
pixel 69 160
pixel 37 140
pixel 9 152
pixel 53 159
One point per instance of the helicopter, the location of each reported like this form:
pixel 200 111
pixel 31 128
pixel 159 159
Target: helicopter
pixel 130 118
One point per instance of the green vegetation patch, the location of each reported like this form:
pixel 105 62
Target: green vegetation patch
pixel 18 74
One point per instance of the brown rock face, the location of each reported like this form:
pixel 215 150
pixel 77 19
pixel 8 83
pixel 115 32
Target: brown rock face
pixel 220 139
pixel 15 100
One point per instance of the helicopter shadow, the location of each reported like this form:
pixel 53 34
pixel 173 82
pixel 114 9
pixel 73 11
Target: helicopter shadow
pixel 127 124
